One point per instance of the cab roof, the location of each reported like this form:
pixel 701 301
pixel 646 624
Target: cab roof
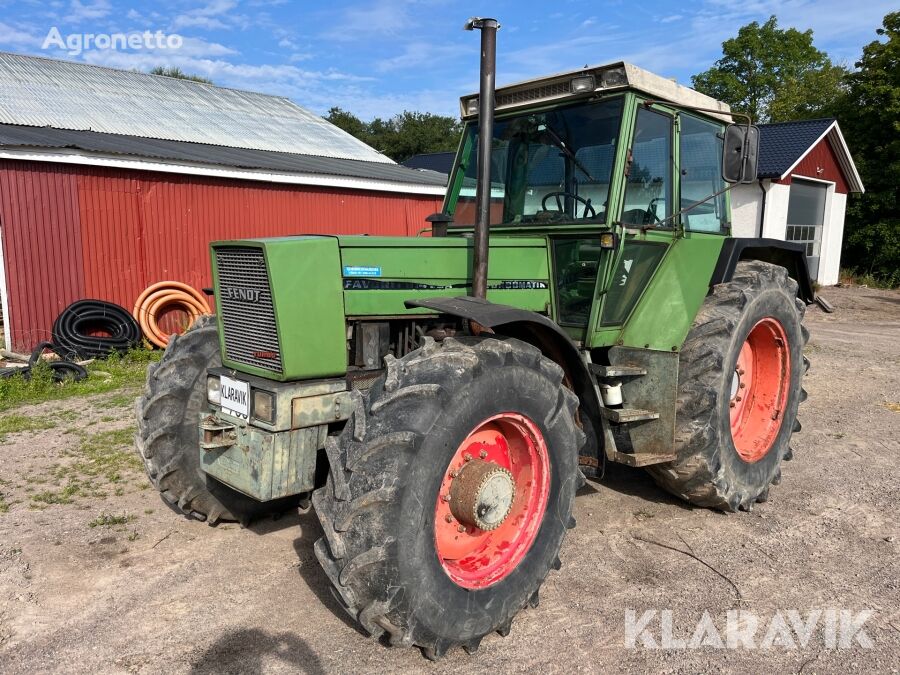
pixel 590 80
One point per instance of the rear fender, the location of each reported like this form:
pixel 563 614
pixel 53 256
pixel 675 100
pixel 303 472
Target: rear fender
pixel 789 255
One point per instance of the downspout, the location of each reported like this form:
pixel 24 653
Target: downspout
pixel 762 210
pixel 488 28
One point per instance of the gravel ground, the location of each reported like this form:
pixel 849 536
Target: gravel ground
pixel 97 575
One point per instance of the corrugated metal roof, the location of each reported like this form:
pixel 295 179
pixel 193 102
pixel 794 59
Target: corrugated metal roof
pixel 43 92
pixel 13 136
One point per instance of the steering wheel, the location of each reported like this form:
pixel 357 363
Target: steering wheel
pixel 651 210
pixel 561 208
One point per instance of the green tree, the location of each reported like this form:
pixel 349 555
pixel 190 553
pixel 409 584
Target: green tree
pixel 348 122
pixel 401 136
pixel 773 74
pixel 175 71
pixel 870 119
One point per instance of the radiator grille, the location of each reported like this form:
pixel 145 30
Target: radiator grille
pixel 245 304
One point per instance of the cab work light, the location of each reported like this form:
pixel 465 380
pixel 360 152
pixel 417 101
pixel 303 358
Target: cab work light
pixel 582 83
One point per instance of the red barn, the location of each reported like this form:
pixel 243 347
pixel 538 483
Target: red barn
pixel 113 180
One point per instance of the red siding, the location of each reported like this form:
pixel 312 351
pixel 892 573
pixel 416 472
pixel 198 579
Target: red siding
pixel 76 232
pixel 821 157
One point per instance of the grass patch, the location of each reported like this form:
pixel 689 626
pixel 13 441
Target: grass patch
pixel 852 278
pixel 16 424
pixel 4 507
pixel 100 461
pixel 893 407
pixel 64 496
pixel 117 372
pixel 106 454
pixel 109 520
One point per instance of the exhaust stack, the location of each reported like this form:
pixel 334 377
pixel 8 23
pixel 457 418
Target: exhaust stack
pixel 488 28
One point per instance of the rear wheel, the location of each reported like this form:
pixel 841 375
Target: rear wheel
pixel 739 386
pixel 449 493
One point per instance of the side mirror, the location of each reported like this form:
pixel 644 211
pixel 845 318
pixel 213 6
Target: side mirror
pixel 740 153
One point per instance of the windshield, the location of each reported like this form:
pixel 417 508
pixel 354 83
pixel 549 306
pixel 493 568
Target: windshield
pixel 546 167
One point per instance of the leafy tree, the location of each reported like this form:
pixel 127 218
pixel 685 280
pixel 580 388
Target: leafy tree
pixel 348 122
pixel 401 136
pixel 870 119
pixel 773 74
pixel 175 71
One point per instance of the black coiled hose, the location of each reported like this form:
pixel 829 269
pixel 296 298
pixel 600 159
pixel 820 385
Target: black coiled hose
pixel 73 327
pixel 61 370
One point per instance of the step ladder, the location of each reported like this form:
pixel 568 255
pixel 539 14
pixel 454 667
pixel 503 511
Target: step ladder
pixel 628 426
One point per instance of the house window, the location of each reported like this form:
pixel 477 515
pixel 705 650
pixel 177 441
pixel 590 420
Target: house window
pixel 806 215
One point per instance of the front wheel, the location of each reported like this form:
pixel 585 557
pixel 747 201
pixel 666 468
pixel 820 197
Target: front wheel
pixel 739 386
pixel 450 491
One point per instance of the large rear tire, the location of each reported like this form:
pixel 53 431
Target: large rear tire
pixel 739 387
pixel 168 415
pixel 408 556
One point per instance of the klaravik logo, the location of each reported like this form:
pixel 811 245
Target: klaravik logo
pixel 243 294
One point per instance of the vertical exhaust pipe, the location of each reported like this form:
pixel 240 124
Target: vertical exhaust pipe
pixel 488 28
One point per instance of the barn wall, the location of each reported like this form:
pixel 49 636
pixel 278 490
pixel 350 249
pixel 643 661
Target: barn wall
pixel 42 247
pixel 71 232
pixel 820 163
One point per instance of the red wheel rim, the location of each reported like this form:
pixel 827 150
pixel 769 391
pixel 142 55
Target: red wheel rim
pixel 510 445
pixel 759 390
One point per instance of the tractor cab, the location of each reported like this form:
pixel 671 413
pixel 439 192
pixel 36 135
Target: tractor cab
pixel 601 161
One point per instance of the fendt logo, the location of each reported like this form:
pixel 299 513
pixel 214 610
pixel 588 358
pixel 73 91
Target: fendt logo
pixel 244 294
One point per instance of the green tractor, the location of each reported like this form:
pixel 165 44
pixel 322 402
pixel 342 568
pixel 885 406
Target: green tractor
pixel 439 412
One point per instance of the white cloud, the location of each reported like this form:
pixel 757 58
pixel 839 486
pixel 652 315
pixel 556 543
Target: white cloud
pixel 671 18
pixel 98 9
pixel 384 18
pixel 14 37
pixel 216 15
pixel 421 55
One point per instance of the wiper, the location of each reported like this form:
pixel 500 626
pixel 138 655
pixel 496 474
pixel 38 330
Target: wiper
pixel 561 144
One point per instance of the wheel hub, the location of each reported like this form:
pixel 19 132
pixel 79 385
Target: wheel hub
pixel 492 500
pixel 482 495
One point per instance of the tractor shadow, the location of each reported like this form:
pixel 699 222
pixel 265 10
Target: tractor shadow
pixel 636 482
pixel 313 574
pixel 275 522
pixel 250 650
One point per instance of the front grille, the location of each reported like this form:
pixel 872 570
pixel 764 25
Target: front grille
pixel 245 304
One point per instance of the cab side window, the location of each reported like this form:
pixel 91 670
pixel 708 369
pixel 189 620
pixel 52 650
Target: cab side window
pixel 700 154
pixel 649 187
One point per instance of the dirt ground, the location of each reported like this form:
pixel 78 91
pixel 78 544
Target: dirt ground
pixel 97 575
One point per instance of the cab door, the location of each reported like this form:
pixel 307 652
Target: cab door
pixel 647 201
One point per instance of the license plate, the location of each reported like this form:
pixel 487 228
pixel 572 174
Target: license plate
pixel 235 397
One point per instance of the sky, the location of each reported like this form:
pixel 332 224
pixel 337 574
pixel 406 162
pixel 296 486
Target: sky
pixel 376 58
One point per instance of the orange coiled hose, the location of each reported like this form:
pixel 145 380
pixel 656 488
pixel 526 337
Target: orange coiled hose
pixel 166 295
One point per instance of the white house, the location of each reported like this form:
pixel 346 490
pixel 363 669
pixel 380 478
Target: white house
pixel 805 173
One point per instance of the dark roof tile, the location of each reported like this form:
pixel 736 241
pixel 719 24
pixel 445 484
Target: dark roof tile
pixel 781 144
